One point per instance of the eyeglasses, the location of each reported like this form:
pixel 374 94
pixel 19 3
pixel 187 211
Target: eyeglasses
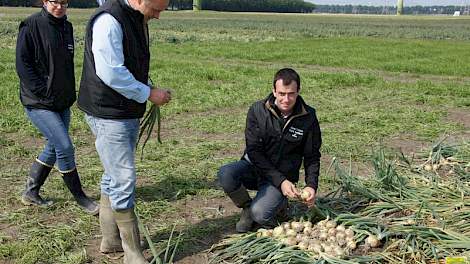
pixel 58 3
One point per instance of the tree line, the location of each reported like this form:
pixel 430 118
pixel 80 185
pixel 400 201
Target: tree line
pixel 391 10
pixel 284 6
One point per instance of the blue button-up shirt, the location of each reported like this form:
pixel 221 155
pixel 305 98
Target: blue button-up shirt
pixel 109 59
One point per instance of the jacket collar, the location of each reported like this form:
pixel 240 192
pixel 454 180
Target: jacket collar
pixel 127 7
pixel 299 107
pixel 53 19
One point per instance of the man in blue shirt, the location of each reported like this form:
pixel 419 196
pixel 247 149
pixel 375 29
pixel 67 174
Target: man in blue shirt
pixel 113 94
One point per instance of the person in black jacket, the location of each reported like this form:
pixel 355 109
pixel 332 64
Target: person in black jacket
pixel 281 131
pixel 44 63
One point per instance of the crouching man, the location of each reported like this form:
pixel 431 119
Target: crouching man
pixel 281 131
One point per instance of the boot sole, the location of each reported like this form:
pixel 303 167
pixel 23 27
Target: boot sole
pixel 112 250
pixel 27 202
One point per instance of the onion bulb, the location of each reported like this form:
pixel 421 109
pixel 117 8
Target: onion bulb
pixel 349 232
pixel 297 226
pixel 304 195
pixel 428 167
pixel 278 231
pixel 341 228
pixel 291 241
pixel 332 232
pixel 372 241
pixel 291 233
pixel 302 245
pixel 330 224
pixel 286 225
pixel 308 224
pixel 351 245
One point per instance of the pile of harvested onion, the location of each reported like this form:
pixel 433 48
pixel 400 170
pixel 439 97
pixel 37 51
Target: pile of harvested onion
pixel 325 237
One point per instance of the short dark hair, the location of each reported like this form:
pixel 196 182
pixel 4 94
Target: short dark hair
pixel 287 75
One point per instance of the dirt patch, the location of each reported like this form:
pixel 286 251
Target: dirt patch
pixel 406 143
pixel 358 168
pixel 460 116
pixel 195 210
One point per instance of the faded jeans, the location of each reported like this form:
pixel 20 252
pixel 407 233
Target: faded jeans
pixel 115 143
pixel 268 199
pixel 54 126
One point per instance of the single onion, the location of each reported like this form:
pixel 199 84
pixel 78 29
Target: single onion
pixel 332 231
pixel 267 233
pixel 317 248
pixel 331 224
pixel 304 195
pixel 315 233
pixel 340 235
pixel 372 241
pixel 341 228
pixel 278 231
pixel 308 224
pixel 286 225
pixel 341 242
pixel 307 230
pixel 351 245
pixel 291 241
pixel 291 233
pixel 349 232
pixel 297 226
pixel 302 245
pixel 339 252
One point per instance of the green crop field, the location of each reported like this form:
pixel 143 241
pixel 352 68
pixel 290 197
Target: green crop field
pixel 400 82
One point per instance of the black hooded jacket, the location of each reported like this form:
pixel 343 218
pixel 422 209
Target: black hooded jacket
pixel 44 62
pixel 277 146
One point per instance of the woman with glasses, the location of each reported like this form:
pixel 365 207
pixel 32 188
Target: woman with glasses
pixel 44 63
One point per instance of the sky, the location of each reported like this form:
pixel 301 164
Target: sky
pixel 390 2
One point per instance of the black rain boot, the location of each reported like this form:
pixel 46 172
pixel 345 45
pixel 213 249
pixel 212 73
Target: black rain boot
pixel 72 181
pixel 37 177
pixel 241 199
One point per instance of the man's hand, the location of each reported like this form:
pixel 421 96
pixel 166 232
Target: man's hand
pixel 159 96
pixel 288 189
pixel 310 201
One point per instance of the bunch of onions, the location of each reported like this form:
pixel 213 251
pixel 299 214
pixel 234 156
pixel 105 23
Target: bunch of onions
pixel 326 237
pixel 152 117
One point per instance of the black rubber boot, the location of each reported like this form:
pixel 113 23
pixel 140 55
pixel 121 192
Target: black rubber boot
pixel 37 177
pixel 241 199
pixel 72 181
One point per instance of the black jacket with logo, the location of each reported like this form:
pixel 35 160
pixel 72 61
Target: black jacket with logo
pixel 95 97
pixel 44 62
pixel 277 146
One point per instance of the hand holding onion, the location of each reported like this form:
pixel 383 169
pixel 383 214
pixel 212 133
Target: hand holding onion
pixel 288 189
pixel 308 196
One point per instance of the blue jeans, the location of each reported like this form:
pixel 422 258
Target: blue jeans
pixel 268 199
pixel 115 143
pixel 54 126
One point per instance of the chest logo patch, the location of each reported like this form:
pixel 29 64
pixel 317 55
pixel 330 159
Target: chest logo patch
pixel 296 132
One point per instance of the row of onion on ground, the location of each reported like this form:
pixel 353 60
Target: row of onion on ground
pixel 411 210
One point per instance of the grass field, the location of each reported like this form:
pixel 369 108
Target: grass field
pixel 398 81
